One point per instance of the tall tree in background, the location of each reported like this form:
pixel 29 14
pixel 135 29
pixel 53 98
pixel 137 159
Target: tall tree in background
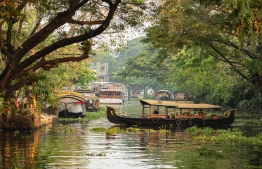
pixel 224 31
pixel 229 31
pixel 25 48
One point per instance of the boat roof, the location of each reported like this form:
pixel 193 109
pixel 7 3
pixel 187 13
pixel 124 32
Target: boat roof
pixel 197 106
pixel 179 105
pixel 111 90
pixel 158 103
pixel 71 98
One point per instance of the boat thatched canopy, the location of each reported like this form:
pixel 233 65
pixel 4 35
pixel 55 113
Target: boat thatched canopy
pixel 158 103
pixel 179 105
pixel 71 98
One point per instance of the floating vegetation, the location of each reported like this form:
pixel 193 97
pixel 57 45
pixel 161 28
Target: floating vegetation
pixel 113 130
pixel 99 129
pixel 163 130
pixel 234 136
pixel 68 128
pixel 96 154
pixel 132 130
pixel 205 152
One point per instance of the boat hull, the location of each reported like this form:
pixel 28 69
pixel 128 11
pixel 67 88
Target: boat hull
pixel 129 121
pixel 66 114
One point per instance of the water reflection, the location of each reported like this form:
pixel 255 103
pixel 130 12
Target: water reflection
pixel 19 148
pixel 76 145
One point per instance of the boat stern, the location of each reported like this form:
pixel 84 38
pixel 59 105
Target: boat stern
pixel 230 114
pixel 110 111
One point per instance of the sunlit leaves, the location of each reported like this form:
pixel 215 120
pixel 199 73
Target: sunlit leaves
pixel 245 16
pixel 208 58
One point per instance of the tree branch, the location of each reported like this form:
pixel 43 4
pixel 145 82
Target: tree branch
pixel 68 41
pixel 247 52
pixel 230 63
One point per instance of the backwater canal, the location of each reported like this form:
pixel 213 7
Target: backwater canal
pixel 98 144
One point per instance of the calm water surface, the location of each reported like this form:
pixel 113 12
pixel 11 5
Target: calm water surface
pixel 76 145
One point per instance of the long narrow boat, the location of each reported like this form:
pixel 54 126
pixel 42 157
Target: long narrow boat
pixel 172 114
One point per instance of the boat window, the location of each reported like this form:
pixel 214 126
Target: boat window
pixel 186 112
pixel 170 110
pixel 155 111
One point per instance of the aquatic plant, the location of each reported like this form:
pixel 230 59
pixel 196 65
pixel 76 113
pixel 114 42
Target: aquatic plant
pixel 133 129
pixel 233 136
pixel 96 154
pixel 152 130
pixel 99 129
pixel 163 130
pixel 109 131
pixel 68 128
pixel 115 130
pixel 205 152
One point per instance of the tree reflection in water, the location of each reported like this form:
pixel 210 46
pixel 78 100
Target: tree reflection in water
pixel 76 145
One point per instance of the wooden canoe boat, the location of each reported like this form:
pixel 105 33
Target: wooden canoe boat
pixel 173 114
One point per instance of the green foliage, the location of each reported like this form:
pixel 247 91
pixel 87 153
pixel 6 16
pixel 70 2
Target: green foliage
pixel 65 75
pixel 44 35
pixel 52 99
pixel 245 16
pixel 203 42
pixel 132 49
pixel 141 67
pixel 2 103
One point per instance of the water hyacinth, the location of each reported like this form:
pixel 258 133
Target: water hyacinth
pixel 233 136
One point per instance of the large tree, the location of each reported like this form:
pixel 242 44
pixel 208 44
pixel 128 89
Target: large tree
pixel 25 49
pixel 225 32
pixel 229 31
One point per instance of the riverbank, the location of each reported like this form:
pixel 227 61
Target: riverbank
pixel 48 119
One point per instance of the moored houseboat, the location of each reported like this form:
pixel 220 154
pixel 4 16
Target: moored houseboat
pixel 111 93
pixel 162 95
pixel 173 114
pixel 72 106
